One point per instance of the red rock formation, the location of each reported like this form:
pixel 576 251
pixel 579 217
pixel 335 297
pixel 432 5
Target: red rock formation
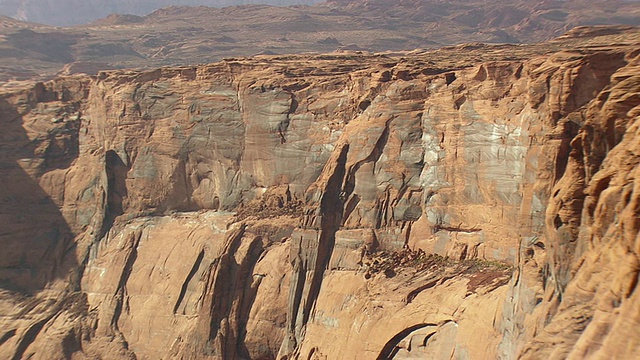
pixel 475 201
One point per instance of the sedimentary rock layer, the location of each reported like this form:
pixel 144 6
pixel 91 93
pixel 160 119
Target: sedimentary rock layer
pixel 473 202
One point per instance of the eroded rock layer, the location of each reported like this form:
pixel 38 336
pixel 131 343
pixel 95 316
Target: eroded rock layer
pixel 473 202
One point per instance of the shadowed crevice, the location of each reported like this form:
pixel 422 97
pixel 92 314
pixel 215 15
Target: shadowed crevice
pixel 185 284
pixel 37 243
pixel 391 347
pixel 116 171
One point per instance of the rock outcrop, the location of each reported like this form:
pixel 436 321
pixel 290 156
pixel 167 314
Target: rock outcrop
pixel 472 202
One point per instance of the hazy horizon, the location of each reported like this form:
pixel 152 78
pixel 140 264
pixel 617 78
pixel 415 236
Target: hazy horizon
pixel 70 12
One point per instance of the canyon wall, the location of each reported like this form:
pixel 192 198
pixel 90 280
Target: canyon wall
pixel 474 202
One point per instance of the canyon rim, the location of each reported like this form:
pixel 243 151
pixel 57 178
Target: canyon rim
pixel 471 202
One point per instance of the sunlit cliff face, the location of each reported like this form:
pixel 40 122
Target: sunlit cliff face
pixel 477 201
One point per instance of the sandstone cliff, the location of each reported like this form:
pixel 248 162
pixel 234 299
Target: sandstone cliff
pixel 472 202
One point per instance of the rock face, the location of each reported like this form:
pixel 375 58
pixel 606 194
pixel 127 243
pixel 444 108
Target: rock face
pixel 471 202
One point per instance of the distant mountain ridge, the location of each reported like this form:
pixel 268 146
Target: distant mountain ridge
pixel 73 12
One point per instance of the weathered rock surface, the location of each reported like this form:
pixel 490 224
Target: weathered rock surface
pixel 472 202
